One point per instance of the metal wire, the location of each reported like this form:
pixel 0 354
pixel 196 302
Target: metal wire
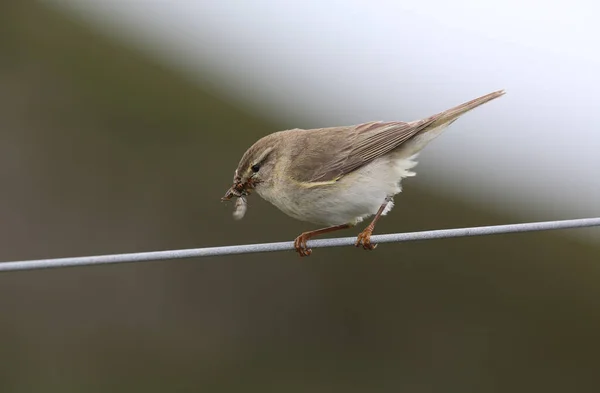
pixel 286 246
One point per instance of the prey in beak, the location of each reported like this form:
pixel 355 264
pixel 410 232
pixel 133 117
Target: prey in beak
pixel 234 191
pixel 237 190
pixel 240 191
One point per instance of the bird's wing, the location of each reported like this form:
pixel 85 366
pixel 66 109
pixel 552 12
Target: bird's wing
pixel 362 144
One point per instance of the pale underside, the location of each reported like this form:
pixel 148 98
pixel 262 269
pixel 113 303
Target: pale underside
pixel 356 196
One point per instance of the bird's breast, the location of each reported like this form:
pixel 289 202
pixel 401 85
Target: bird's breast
pixel 355 196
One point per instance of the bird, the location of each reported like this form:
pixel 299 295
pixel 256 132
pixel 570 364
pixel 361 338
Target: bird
pixel 338 176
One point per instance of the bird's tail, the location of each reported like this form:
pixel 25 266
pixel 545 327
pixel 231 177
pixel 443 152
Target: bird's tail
pixel 430 128
pixel 448 116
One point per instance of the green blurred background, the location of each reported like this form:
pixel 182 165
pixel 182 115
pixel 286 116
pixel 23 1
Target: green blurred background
pixel 103 150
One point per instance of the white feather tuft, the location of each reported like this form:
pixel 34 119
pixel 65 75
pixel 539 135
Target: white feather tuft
pixel 388 208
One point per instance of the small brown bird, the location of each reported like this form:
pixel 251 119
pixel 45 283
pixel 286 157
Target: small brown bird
pixel 338 176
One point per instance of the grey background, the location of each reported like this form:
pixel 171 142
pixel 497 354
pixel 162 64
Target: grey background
pixel 104 150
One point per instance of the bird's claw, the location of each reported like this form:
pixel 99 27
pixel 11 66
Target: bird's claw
pixel 301 247
pixel 364 240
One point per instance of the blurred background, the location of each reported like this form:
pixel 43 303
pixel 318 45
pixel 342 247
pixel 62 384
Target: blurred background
pixel 121 124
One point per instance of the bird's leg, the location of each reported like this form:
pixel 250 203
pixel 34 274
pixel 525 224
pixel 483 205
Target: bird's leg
pixel 300 242
pixel 364 238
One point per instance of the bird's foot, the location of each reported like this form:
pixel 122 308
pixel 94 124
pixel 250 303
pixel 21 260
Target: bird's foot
pixel 364 239
pixel 301 247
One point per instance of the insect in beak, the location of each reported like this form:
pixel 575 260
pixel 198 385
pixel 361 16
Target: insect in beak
pixel 237 190
pixel 240 189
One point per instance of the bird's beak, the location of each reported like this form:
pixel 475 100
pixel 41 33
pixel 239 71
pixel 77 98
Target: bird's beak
pixel 236 190
pixel 229 194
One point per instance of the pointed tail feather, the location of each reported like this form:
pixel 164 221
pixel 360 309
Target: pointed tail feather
pixel 450 115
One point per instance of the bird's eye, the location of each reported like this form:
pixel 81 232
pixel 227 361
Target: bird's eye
pixel 255 167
